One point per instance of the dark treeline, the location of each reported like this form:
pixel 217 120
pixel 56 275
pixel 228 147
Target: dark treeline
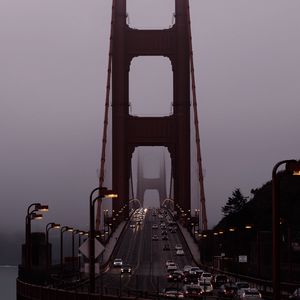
pixel 258 210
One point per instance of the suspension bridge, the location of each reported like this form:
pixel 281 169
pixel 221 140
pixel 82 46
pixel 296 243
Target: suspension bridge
pixel 150 252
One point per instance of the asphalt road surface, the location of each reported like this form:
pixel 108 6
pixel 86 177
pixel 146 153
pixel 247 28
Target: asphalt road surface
pixel 146 256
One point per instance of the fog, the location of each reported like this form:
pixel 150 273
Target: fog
pixel 53 59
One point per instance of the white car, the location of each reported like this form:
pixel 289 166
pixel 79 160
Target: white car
pixel 168 262
pixel 178 247
pixel 155 237
pixel 251 293
pixel 172 267
pixel 154 226
pixel 179 252
pixel 118 262
pixel 172 293
pixel 206 276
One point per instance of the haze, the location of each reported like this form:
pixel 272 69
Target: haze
pixel 53 59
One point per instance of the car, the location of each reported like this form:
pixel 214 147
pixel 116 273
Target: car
pixel 154 237
pixel 196 270
pixel 165 238
pixel 178 246
pixel 206 287
pixel 242 285
pixel 171 224
pixel 168 262
pixel 206 276
pixel 126 269
pixel 228 290
pixel 179 252
pixel 295 295
pixel 191 278
pixel 164 232
pixel 154 226
pixel 186 269
pixel 172 267
pixel 166 247
pixel 218 280
pixel 251 293
pixel 118 262
pixel 172 293
pixel 176 276
pixel 192 291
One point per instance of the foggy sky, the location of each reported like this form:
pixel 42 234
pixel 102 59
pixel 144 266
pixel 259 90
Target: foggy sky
pixel 53 59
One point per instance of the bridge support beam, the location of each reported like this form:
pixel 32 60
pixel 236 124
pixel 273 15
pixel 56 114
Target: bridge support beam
pixel 172 132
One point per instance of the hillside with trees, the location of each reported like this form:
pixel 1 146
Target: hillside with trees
pixel 258 210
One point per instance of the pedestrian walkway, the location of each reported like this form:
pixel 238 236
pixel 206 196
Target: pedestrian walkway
pixel 110 246
pixel 193 246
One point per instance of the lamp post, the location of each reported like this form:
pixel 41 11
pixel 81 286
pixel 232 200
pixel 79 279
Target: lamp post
pixel 48 227
pixel 73 247
pixel 62 230
pixel 292 166
pixel 197 213
pixel 103 193
pixel 80 233
pixel 31 215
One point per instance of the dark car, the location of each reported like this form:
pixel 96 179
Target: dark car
pixel 126 269
pixel 192 291
pixel 228 290
pixel 165 238
pixel 176 276
pixel 219 280
pixel 191 278
pixel 166 247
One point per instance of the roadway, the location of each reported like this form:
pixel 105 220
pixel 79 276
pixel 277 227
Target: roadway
pixel 146 256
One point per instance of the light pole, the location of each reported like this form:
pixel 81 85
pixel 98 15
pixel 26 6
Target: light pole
pixel 73 247
pixel 31 215
pixel 62 230
pixel 197 212
pixel 103 193
pixel 80 233
pixel 48 227
pixel 293 167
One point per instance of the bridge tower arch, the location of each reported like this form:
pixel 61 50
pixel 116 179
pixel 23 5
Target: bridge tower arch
pixel 145 183
pixel 129 132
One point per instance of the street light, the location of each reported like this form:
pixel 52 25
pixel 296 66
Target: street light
pixel 73 247
pixel 103 193
pixel 292 167
pixel 49 226
pixel 62 230
pixel 31 215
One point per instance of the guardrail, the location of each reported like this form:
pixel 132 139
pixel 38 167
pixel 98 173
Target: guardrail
pixel 26 291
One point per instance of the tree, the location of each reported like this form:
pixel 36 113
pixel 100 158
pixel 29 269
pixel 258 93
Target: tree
pixel 234 203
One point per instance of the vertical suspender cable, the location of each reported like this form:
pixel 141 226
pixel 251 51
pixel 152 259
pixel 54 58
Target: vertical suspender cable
pixel 196 123
pixel 131 182
pixel 105 125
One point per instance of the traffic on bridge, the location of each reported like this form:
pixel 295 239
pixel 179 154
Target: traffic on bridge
pixel 129 250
